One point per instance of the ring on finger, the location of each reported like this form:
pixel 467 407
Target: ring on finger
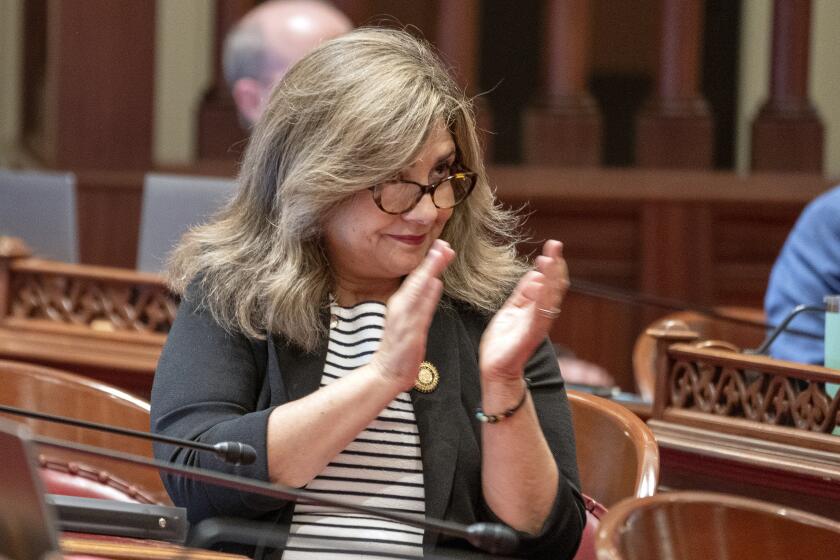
pixel 550 313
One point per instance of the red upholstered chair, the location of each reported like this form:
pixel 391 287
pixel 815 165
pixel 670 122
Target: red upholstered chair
pixel 594 513
pixel 62 393
pixel 705 526
pixel 77 479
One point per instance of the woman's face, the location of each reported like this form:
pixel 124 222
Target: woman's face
pixel 370 250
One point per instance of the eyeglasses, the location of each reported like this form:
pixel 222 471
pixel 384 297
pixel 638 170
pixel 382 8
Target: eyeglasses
pixel 399 197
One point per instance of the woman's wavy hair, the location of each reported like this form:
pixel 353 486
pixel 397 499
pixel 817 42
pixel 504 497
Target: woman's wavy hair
pixel 349 115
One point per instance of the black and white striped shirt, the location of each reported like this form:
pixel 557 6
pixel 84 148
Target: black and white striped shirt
pixel 381 468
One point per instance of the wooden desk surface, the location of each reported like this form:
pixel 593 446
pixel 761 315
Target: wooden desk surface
pixel 80 545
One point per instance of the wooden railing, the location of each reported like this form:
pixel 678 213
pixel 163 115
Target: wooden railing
pixel 104 322
pixel 745 424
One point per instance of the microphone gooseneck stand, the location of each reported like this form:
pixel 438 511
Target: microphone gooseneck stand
pixel 233 452
pixel 490 537
pixel 584 287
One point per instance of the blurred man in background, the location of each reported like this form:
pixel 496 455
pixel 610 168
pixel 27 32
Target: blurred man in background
pixel 268 41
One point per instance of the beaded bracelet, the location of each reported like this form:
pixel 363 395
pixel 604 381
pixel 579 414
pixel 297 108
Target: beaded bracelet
pixel 494 418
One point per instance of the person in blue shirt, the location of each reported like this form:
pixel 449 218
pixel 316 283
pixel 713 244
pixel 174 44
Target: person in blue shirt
pixel 807 270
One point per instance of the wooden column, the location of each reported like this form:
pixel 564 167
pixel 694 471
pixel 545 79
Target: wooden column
pixel 218 125
pixel 89 83
pixel 89 76
pixel 675 128
pixel 457 39
pixel 787 135
pixel 563 125
pixel 458 42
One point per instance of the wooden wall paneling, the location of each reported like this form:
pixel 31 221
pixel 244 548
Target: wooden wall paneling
pixel 683 234
pixel 416 17
pixel 677 254
pixel 457 38
pixel 747 239
pixel 787 134
pixel 600 245
pixel 109 205
pixel 96 96
pixel 599 331
pixel 675 128
pixel 562 126
pixel 33 87
pixel 219 130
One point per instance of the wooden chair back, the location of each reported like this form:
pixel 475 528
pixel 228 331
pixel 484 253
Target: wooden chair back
pixel 704 525
pixel 617 453
pixel 717 332
pixel 60 393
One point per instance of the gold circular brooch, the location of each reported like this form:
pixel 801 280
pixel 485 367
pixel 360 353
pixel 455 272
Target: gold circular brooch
pixel 427 378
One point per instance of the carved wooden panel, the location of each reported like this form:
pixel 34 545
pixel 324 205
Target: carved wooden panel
pixel 744 424
pixel 105 323
pixel 92 302
pixel 775 398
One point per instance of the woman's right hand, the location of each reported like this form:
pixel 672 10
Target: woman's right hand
pixel 408 317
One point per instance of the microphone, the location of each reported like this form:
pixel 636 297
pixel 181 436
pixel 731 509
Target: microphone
pixel 229 451
pixel 490 537
pixel 774 334
pixel 262 534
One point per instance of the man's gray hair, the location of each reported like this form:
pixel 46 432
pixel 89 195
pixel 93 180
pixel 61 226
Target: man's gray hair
pixel 244 53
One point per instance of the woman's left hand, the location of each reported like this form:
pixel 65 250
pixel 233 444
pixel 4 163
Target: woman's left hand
pixel 526 317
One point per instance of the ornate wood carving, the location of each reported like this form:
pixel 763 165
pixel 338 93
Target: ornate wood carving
pixel 748 425
pixel 762 391
pixel 106 323
pixel 95 303
pixel 737 392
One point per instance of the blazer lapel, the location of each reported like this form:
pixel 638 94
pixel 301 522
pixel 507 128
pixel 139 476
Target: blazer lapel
pixel 299 373
pixel 436 414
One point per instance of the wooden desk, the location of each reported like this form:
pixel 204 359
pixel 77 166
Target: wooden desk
pixel 106 323
pixel 77 545
pixel 744 424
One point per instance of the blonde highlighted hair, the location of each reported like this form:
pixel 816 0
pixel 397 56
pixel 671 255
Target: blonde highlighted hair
pixel 349 115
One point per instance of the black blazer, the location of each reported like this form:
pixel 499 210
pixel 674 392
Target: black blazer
pixel 213 386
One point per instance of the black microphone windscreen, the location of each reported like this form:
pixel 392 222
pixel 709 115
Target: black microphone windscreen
pixel 493 537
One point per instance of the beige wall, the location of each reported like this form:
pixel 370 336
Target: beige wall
pixel 11 12
pixel 183 71
pixel 824 75
pixel 825 78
